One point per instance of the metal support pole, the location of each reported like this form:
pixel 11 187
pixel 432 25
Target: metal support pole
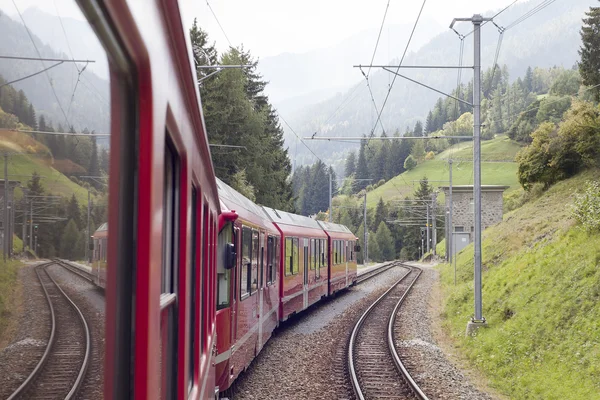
pixel 427 228
pixel 87 236
pixel 35 244
pixel 5 221
pixel 433 220
pixel 31 225
pixel 450 227
pixel 366 233
pixel 477 20
pixel 24 233
pixel 330 210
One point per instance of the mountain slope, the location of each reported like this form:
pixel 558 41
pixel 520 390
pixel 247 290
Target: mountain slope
pixel 84 104
pixel 497 168
pixel 26 156
pixel 541 299
pixel 548 38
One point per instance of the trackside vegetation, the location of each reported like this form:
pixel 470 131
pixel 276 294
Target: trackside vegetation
pixel 8 290
pixel 541 298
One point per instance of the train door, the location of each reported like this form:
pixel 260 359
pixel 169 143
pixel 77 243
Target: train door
pixel 236 287
pixel 261 280
pixel 305 287
pixel 345 257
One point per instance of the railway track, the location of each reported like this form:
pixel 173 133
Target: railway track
pixel 375 368
pixel 61 370
pixel 374 272
pixel 77 271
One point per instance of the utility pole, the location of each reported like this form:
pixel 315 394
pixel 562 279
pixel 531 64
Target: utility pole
pixel 450 237
pixel 477 320
pixel 433 220
pixel 366 232
pixel 330 210
pixel 5 223
pixel 31 225
pixel 24 222
pixel 87 236
pixel 427 228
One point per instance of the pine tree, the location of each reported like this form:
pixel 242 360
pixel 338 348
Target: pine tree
pixel 42 124
pixel 334 185
pixel 385 242
pixel 68 241
pixel 409 163
pixel 528 81
pixel 74 212
pixel 350 166
pixel 94 166
pixel 418 131
pixel 104 160
pixel 35 185
pixel 362 170
pixel 374 251
pixel 381 160
pixel 428 122
pixel 589 66
pixel 380 214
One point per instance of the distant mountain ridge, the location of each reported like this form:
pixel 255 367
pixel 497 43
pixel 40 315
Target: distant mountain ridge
pixel 548 38
pixel 84 104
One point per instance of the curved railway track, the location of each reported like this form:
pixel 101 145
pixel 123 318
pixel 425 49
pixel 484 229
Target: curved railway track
pixel 61 370
pixel 376 371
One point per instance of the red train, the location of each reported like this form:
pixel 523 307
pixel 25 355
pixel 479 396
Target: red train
pixel 271 265
pixel 197 277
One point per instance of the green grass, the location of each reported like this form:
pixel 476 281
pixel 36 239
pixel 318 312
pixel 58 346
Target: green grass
pixel 492 173
pixel 27 156
pixel 541 298
pixel 17 244
pixel 8 289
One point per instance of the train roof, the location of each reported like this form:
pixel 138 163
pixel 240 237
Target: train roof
pixel 231 200
pixel 102 228
pixel 331 227
pixel 286 218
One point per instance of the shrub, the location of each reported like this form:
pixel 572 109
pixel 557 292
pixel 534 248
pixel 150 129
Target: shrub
pixel 586 207
pixel 430 155
pixel 410 163
pixel 381 182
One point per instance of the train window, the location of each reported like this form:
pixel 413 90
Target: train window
pixel 312 254
pixel 261 271
pixel 289 257
pixel 325 252
pixel 317 257
pixel 254 273
pixel 246 267
pixel 168 296
pixel 193 291
pixel 344 249
pixel 270 259
pixel 296 263
pixel 223 275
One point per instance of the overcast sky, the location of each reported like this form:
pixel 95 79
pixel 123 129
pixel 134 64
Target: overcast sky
pixel 271 27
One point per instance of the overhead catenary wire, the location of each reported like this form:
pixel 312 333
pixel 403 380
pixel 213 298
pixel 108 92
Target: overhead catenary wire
pixel 398 69
pixel 40 56
pixel 298 137
pixel 220 26
pixel 378 37
pixel 31 75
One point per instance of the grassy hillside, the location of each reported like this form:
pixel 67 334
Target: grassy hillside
pixel 500 170
pixel 541 298
pixel 27 155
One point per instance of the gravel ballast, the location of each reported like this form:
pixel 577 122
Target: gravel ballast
pixel 306 357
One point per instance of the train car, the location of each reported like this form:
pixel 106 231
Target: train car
pixel 303 265
pixel 99 247
pixel 342 263
pixel 247 288
pixel 163 207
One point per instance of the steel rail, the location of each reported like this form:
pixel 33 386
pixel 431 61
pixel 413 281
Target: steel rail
pixel 77 271
pixel 353 377
pixel 374 272
pixel 390 338
pixel 86 360
pixel 49 345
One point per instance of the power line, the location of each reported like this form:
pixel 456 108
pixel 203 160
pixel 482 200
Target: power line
pixel 40 56
pixel 44 59
pixel 399 64
pixel 378 37
pixel 531 13
pixel 29 76
pixel 298 137
pixel 217 19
